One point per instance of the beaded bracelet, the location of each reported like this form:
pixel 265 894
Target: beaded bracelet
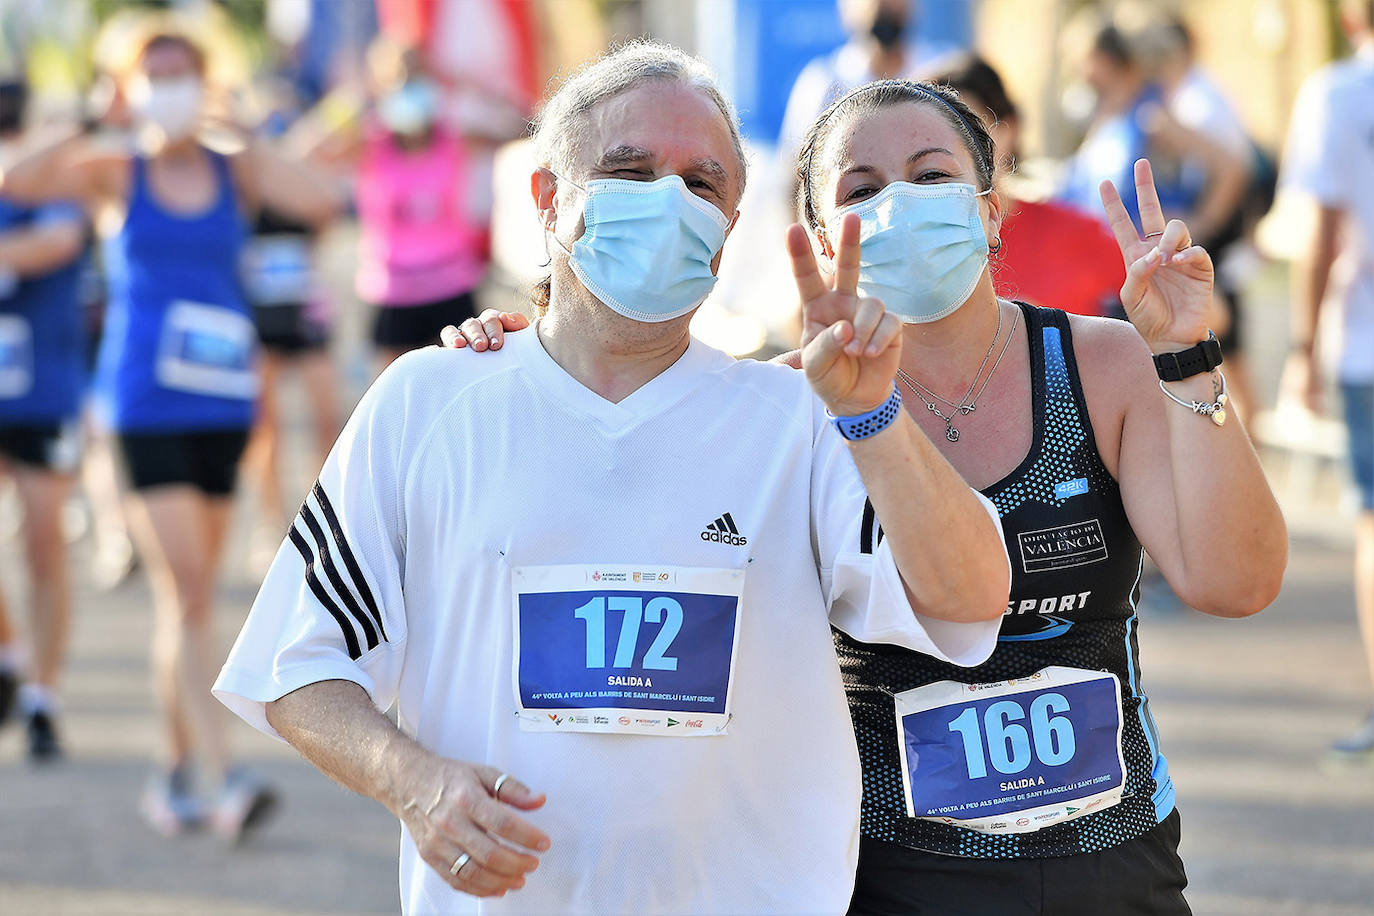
pixel 1216 410
pixel 874 421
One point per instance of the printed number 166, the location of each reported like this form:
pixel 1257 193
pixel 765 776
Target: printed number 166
pixel 1008 744
pixel 633 612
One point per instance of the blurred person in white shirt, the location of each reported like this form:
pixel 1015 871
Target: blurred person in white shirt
pixel 1329 157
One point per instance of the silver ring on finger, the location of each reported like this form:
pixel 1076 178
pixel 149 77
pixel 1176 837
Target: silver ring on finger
pixel 500 781
pixel 1150 235
pixel 458 864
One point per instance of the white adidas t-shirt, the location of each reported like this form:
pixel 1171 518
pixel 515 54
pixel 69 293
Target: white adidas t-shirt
pixel 1330 155
pixel 462 478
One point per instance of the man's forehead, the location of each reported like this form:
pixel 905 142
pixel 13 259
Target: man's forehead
pixel 657 121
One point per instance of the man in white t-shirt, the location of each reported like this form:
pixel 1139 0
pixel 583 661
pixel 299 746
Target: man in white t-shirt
pixel 641 627
pixel 1330 157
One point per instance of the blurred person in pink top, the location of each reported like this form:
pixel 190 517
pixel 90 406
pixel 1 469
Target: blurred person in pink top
pixel 420 254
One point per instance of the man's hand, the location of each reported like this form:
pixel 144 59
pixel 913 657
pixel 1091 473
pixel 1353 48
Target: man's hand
pixel 454 809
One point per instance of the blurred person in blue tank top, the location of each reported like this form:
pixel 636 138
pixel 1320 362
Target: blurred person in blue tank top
pixel 41 379
pixel 177 378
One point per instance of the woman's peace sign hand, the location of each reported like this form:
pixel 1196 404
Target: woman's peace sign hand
pixel 1168 288
pixel 850 344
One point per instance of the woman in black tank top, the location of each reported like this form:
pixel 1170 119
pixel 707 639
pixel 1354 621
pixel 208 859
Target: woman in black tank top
pixel 1034 783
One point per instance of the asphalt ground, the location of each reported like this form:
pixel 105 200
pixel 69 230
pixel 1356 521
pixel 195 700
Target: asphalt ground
pixel 1245 708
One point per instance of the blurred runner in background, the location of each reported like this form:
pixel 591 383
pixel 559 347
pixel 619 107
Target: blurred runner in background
pixel 420 255
pixel 1052 254
pixel 42 376
pixel 883 43
pixel 1330 158
pixel 294 320
pixel 177 375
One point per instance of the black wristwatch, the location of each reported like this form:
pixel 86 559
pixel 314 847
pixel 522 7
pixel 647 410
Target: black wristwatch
pixel 1177 366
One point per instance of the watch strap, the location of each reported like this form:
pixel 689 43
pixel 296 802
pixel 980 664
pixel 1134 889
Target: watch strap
pixel 1181 364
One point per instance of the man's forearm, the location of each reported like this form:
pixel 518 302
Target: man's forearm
pixel 334 725
pixel 946 546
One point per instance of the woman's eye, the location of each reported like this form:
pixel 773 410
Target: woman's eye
pixel 932 175
pixel 858 193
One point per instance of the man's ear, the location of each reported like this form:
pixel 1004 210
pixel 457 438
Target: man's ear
pixel 543 188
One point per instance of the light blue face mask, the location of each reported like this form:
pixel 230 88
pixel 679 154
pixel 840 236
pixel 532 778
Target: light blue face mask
pixel 647 248
pixel 922 248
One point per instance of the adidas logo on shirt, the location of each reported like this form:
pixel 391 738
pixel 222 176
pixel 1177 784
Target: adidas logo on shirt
pixel 723 531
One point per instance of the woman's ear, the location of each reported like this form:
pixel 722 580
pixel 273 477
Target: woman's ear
pixel 824 239
pixel 992 222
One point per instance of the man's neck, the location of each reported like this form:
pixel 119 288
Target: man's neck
pixel 607 353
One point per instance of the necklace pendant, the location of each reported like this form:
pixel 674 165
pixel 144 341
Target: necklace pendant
pixel 951 434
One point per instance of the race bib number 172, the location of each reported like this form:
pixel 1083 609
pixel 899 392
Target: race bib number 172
pixel 625 649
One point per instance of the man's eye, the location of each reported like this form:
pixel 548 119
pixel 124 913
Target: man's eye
pixel 702 184
pixel 634 174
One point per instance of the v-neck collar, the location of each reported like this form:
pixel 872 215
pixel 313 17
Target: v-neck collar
pixel 653 397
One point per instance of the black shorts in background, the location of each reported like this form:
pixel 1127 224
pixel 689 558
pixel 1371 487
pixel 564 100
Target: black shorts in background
pixel 46 446
pixel 289 330
pixel 206 460
pixel 1140 877
pixel 408 327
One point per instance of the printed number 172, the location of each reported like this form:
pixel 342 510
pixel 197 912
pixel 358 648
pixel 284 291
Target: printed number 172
pixel 633 612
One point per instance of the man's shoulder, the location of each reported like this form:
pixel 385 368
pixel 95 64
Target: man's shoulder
pixel 428 380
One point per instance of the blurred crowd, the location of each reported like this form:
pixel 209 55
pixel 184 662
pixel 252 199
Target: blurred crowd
pixel 161 264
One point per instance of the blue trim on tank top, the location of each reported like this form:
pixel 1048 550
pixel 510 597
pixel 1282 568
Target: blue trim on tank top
pixel 1164 786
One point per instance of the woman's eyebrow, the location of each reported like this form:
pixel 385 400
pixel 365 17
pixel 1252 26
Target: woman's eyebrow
pixel 920 154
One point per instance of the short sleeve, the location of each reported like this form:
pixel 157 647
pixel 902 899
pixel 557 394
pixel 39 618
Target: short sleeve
pixel 61 212
pixel 859 578
pixel 1315 159
pixel 331 606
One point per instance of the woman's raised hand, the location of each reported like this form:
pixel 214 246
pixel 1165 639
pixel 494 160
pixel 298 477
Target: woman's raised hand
pixel 485 332
pixel 851 346
pixel 1168 288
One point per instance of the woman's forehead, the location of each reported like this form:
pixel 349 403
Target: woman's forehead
pixel 894 132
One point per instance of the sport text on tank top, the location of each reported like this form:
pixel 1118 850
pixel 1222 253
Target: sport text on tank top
pixel 1048 748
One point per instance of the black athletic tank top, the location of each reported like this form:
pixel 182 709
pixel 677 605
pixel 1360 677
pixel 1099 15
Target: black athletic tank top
pixel 1075 582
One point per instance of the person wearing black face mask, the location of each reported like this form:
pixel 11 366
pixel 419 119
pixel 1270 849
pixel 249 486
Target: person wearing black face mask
pixel 881 43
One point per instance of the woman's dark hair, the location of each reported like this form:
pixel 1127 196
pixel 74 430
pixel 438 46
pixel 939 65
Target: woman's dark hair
pixel 1112 43
pixel 14 100
pixel 875 97
pixel 159 40
pixel 975 76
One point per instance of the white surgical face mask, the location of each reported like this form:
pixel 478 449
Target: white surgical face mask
pixel 647 248
pixel 922 248
pixel 172 105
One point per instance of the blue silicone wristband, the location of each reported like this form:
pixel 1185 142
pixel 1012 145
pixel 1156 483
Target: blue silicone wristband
pixel 873 422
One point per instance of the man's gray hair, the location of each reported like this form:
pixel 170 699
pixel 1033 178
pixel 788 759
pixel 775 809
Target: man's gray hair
pixel 555 129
